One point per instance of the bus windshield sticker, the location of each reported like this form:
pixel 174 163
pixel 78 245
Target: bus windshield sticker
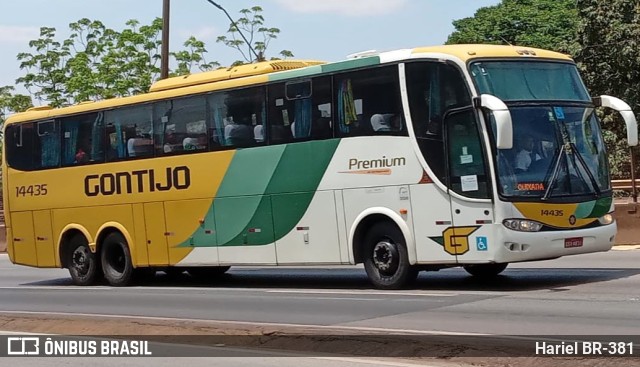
pixel 469 183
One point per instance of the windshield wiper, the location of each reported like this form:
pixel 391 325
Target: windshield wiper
pixel 594 183
pixel 554 176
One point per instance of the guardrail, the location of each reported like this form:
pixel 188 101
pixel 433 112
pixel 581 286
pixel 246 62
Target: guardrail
pixel 625 185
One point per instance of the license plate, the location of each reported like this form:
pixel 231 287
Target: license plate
pixel 573 242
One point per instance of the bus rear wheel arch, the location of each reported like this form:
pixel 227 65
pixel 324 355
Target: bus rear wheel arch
pixel 383 250
pixel 83 265
pixel 115 257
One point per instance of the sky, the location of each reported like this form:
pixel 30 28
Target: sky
pixel 327 30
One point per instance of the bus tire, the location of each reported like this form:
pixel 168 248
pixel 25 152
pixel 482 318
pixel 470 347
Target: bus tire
pixel 485 270
pixel 385 257
pixel 207 272
pixel 82 263
pixel 116 260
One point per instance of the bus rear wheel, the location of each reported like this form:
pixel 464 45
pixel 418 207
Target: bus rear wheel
pixel 386 260
pixel 485 270
pixel 116 260
pixel 82 263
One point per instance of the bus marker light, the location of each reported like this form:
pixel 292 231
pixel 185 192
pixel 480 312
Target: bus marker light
pixel 404 211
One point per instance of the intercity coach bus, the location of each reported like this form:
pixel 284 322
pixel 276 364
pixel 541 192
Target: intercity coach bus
pixel 419 159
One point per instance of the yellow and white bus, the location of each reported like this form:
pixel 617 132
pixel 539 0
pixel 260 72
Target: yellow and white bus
pixel 418 159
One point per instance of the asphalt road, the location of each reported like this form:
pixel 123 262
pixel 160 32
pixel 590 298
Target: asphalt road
pixel 581 295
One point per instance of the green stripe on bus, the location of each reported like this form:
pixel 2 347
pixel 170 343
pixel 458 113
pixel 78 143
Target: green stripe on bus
pixel 298 73
pixel 256 185
pixel 351 64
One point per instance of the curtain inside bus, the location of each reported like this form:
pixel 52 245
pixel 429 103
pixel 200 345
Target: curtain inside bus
pixel 70 133
pixel 302 118
pixel 346 107
pixel 97 141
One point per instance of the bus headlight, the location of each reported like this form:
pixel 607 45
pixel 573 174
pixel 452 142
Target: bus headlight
pixel 606 219
pixel 522 225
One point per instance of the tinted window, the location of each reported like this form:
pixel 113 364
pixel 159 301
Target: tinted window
pixel 368 102
pixel 181 125
pixel 434 88
pixel 238 118
pixel 82 139
pixel 129 132
pixel 466 158
pixel 300 118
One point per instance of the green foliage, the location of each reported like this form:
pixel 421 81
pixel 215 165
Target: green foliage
pixel 97 62
pixel 251 25
pixel 192 57
pixel 609 57
pixel 548 24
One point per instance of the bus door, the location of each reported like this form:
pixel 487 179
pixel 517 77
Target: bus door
pixel 22 238
pixel 44 239
pixel 157 251
pixel 469 187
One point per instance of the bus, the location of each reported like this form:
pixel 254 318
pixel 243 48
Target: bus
pixel 472 156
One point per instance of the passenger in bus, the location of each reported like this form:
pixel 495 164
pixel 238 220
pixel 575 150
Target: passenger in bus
pixel 81 156
pixel 171 143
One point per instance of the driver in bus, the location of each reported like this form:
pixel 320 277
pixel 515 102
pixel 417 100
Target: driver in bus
pixel 526 155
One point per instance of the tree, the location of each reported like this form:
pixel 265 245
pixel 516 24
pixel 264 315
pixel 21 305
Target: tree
pixel 10 102
pixel 97 62
pixel 258 37
pixel 609 39
pixel 548 24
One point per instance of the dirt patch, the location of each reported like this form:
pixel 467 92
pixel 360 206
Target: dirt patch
pixel 450 350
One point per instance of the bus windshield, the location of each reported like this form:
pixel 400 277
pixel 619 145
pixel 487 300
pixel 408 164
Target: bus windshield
pixel 529 80
pixel 558 146
pixel 558 151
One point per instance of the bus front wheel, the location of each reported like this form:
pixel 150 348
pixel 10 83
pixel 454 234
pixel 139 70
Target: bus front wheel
pixel 116 260
pixel 386 261
pixel 82 263
pixel 485 270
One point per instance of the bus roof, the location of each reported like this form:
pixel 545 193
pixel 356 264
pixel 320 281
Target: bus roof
pixel 469 52
pixel 279 70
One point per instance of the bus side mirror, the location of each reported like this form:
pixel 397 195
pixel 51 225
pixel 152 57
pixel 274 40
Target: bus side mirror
pixel 623 108
pixel 502 116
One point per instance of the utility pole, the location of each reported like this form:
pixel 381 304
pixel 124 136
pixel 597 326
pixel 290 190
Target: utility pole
pixel 164 63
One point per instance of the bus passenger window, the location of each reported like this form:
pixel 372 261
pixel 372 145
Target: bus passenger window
pixel 236 117
pixel 129 132
pixel 82 139
pixel 369 103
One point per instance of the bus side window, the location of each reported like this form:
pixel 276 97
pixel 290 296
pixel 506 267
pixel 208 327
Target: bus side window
pixel 82 139
pixel 20 147
pixel 240 112
pixel 468 175
pixel 281 115
pixel 129 132
pixel 368 103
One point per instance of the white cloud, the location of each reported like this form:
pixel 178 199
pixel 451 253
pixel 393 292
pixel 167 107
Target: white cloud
pixel 352 8
pixel 14 34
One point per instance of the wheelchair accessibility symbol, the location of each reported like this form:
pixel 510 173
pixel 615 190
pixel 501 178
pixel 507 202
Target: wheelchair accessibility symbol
pixel 481 243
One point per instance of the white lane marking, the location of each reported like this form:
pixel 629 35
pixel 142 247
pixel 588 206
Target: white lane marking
pixel 626 247
pixel 265 290
pixel 246 323
pixel 356 292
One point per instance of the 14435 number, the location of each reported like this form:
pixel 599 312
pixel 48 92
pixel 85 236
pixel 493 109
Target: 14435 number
pixel 31 190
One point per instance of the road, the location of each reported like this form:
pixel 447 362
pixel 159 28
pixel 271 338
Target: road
pixel 582 295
